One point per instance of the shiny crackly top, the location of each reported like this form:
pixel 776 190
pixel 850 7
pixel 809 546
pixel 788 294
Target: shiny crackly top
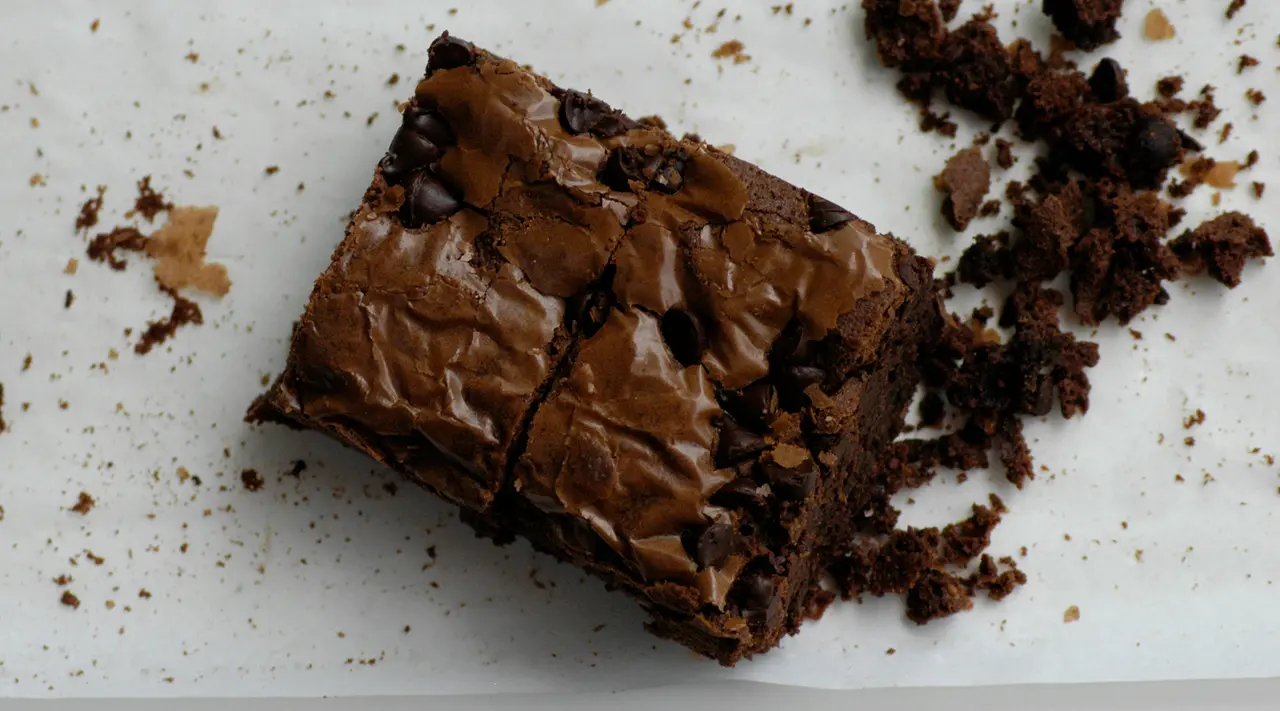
pixel 504 205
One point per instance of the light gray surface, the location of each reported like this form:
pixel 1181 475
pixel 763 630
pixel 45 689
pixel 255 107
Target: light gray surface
pixel 1156 696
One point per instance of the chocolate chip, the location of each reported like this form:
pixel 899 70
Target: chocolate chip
pixel 791 484
pixel 429 124
pixel 710 546
pixel 666 172
pixel 1188 142
pixel 792 383
pixel 449 53
pixel 757 591
pixel 740 493
pixel 825 215
pixel 1107 81
pixel 909 276
pixel 753 406
pixel 684 336
pixel 583 113
pixel 791 346
pixel 1156 147
pixel 624 167
pixel 409 151
pixel 737 444
pixel 426 200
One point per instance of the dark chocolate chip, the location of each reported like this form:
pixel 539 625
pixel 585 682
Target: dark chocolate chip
pixel 429 124
pixel 426 200
pixel 757 591
pixel 586 312
pixel 792 383
pixel 1189 143
pixel 825 215
pixel 409 151
pixel 740 493
pixel 791 346
pixel 753 406
pixel 737 444
pixel 791 484
pixel 909 276
pixel 710 546
pixel 1155 148
pixel 583 113
pixel 1107 81
pixel 666 171
pixel 449 53
pixel 684 336
pixel 625 166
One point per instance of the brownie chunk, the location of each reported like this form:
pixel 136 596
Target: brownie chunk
pixel 1222 246
pixel 647 357
pixel 965 182
pixel 1087 23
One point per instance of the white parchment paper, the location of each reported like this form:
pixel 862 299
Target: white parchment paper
pixel 331 585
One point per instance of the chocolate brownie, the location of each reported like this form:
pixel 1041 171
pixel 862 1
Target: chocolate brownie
pixel 650 358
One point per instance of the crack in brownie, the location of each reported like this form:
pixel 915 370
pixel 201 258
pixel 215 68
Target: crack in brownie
pixel 647 357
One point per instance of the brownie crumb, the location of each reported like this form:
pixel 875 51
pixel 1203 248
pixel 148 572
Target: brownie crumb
pixel 1170 87
pixel 996 583
pixel 1086 23
pixel 1156 26
pixel 103 247
pixel 144 594
pixel 70 600
pixel 1222 246
pixel 149 203
pixel 297 469
pixel 84 504
pixel 1194 419
pixel 88 216
pixel 69 299
pixel 965 182
pixel 63 580
pixel 1255 96
pixel 1225 132
pixel 251 479
pixel 937 594
pixel 1205 109
pixel 93 26
pixel 734 49
pixel 271 170
pixel 184 312
pixel 1234 7
pixel 1072 614
pixel 949 9
pixel 3 425
pixel 1245 62
pixel 1259 189
pixel 1004 154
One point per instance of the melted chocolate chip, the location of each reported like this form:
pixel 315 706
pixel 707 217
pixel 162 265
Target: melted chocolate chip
pixel 684 336
pixel 624 167
pixel 791 484
pixel 737 444
pixel 757 591
pixel 1189 143
pixel 583 113
pixel 427 200
pixel 791 347
pixel 825 215
pixel 409 151
pixel 429 124
pixel 753 406
pixel 710 547
pixel 1155 148
pixel 666 172
pixel 449 53
pixel 792 383
pixel 740 493
pixel 1107 81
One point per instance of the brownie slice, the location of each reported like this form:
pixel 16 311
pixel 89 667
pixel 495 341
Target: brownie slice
pixel 649 358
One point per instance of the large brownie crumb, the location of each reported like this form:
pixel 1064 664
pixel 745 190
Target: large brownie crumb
pixel 1222 246
pixel 1086 23
pixel 84 504
pixel 184 312
pixel 103 247
pixel 965 182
